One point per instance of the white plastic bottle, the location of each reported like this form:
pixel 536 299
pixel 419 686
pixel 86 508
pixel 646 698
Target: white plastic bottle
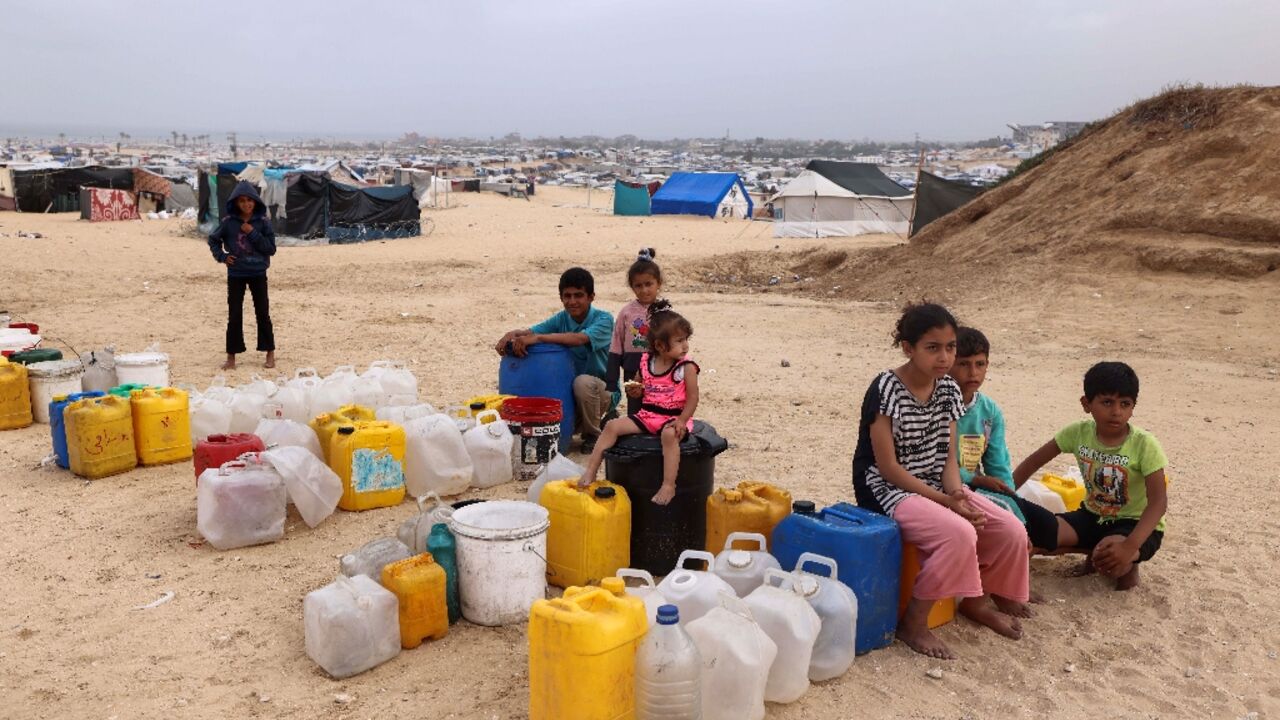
pixel 736 658
pixel 793 626
pixel 837 608
pixel 744 569
pixel 668 671
pixel 693 591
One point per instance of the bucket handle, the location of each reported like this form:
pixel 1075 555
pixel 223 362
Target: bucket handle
pixel 781 576
pixel 816 559
pixel 702 555
pixel 643 576
pixel 758 538
pixel 532 548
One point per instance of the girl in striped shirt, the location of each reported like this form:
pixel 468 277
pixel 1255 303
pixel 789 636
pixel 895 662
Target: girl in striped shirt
pixel 905 467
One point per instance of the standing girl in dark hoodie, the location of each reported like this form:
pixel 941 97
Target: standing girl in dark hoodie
pixel 245 242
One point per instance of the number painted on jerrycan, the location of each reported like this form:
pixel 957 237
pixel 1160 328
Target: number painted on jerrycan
pixel 103 440
pixel 375 470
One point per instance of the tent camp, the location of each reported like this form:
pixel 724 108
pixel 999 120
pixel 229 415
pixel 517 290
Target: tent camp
pixel 936 197
pixel 58 189
pixel 835 199
pixel 630 198
pixel 710 194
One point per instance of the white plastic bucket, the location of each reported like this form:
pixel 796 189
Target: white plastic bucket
pixel 502 567
pixel 48 380
pixel 144 368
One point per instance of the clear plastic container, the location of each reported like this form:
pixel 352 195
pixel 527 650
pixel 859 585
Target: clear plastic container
pixel 736 657
pixel 435 458
pixel 370 558
pixel 351 625
pixel 668 671
pixel 744 569
pixel 693 591
pixel 489 447
pixel 837 608
pixel 793 626
pixel 274 429
pixel 241 503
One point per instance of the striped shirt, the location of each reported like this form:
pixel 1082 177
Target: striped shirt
pixel 921 437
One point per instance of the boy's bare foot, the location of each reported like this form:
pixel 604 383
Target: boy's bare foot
pixel 1036 598
pixel 1129 580
pixel 922 640
pixel 664 495
pixel 271 360
pixel 230 364
pixel 1012 607
pixel 980 611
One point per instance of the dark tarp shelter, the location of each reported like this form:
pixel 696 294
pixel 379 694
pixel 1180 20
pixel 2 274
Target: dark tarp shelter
pixel 372 213
pixel 306 202
pixel 936 197
pixel 58 189
pixel 859 178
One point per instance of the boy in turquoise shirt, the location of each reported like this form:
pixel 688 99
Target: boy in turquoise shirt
pixel 1121 521
pixel 981 451
pixel 586 331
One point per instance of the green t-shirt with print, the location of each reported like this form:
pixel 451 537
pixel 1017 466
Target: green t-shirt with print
pixel 1114 477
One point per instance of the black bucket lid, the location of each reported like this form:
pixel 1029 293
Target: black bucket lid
pixel 704 440
pixel 804 507
pixel 605 492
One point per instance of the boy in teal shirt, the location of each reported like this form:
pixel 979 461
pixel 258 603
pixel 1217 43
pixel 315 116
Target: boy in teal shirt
pixel 981 451
pixel 586 331
pixel 1121 521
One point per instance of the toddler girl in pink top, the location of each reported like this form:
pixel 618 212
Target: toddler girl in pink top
pixel 668 394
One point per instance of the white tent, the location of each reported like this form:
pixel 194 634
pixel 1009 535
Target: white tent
pixel 812 206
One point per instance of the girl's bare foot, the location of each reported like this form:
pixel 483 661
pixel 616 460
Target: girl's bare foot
pixel 665 493
pixel 922 640
pixel 1036 598
pixel 230 364
pixel 1012 607
pixel 1129 580
pixel 271 360
pixel 980 611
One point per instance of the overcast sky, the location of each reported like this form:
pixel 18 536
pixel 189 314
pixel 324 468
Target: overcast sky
pixel 842 69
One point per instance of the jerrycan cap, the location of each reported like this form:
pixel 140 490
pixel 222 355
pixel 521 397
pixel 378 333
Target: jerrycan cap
pixel 732 496
pixel 59 398
pixel 615 585
pixel 604 493
pixel 739 559
pixel 476 406
pixel 668 615
pixel 346 430
pixel 808 584
pixel 804 507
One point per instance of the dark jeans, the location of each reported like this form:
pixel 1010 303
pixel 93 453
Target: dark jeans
pixel 235 314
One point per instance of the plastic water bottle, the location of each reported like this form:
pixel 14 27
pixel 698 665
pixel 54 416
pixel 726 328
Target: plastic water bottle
pixel 668 672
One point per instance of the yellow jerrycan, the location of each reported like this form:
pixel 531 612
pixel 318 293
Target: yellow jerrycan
pixel 582 653
pixel 100 436
pixel 369 459
pixel 1071 491
pixel 942 612
pixel 590 535
pixel 161 425
pixel 419 584
pixel 326 424
pixel 754 507
pixel 15 395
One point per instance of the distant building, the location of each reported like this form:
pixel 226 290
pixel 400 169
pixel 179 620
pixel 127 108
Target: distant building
pixel 1046 134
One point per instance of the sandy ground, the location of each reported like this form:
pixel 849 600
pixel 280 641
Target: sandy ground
pixel 1198 639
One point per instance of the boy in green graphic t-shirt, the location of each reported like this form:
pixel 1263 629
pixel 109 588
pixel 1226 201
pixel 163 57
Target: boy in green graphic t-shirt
pixel 1121 521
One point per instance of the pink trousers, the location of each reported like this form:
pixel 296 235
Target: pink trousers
pixel 959 560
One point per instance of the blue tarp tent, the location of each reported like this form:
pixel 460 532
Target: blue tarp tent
pixel 710 194
pixel 628 200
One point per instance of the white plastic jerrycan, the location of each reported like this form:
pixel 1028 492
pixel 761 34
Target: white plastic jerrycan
pixel 351 625
pixel 241 503
pixel 647 591
pixel 396 380
pixel 736 657
pixel 668 671
pixel 837 608
pixel 1040 494
pixel 435 458
pixel 693 591
pixel 744 569
pixel 369 558
pixel 793 626
pixel 276 430
pixel 334 391
pixel 489 447
pixel 305 381
pixel 414 531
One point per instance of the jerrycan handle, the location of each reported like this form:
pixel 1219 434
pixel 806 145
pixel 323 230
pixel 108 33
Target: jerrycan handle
pixel 735 605
pixel 457 411
pixel 228 466
pixel 816 559
pixel 344 369
pixel 305 372
pixel 644 576
pixel 781 576
pixel 758 538
pixel 702 555
pixel 834 511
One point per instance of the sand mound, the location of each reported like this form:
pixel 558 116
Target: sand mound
pixel 1186 182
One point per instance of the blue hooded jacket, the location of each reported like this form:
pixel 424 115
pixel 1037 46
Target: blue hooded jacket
pixel 252 251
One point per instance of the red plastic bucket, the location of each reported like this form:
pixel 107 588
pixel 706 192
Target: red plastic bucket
pixel 535 422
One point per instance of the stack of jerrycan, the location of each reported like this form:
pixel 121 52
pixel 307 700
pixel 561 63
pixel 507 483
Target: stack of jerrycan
pixel 326 424
pixel 582 653
pixel 161 425
pixel 754 507
pixel 419 585
pixel 15 396
pixel 369 459
pixel 590 534
pixel 867 548
pixel 100 436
